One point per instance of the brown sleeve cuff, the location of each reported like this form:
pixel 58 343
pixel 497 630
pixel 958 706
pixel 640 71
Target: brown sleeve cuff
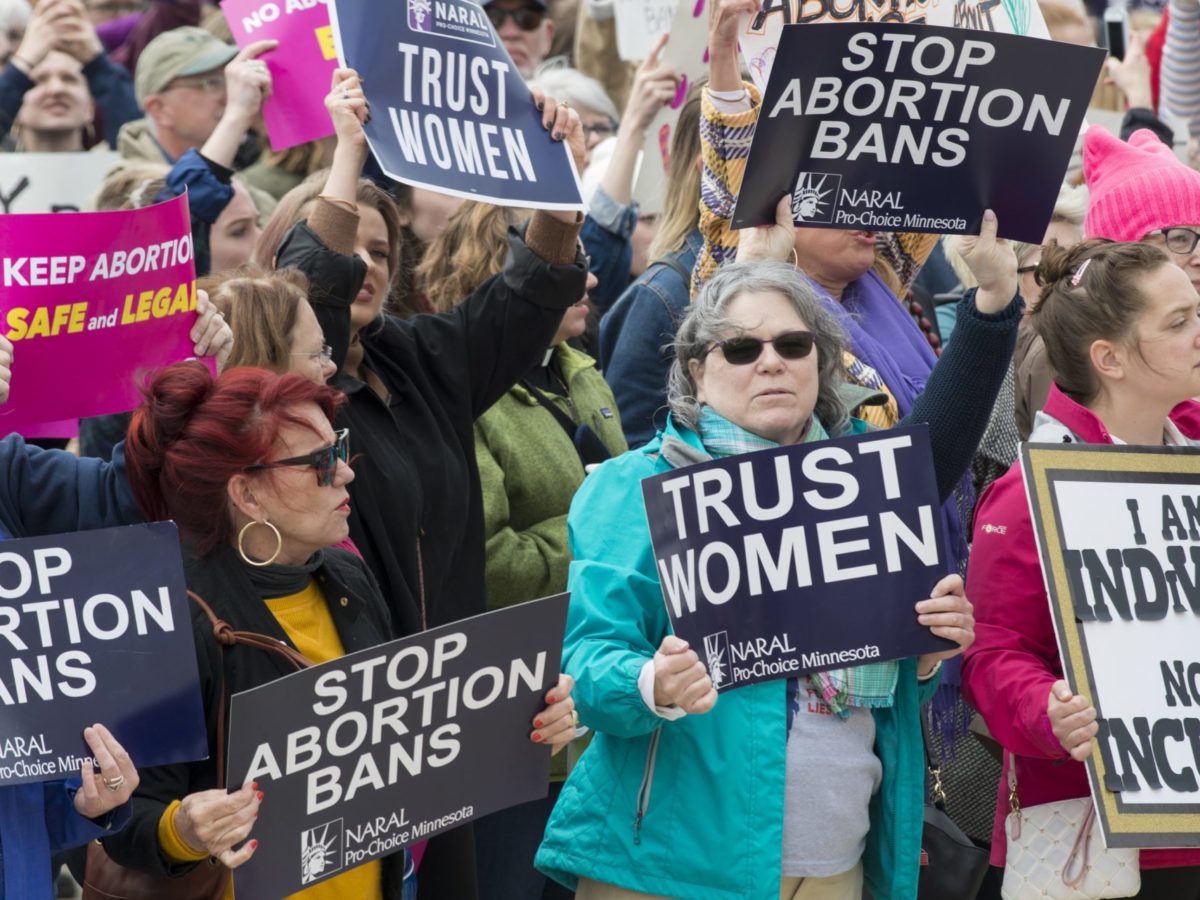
pixel 336 226
pixel 553 240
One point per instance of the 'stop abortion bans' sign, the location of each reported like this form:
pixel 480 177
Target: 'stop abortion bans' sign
pixel 800 559
pixel 1118 530
pixel 95 627
pixel 92 301
pixel 916 128
pixel 391 745
pixel 449 109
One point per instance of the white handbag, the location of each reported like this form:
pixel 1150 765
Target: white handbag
pixel 1055 852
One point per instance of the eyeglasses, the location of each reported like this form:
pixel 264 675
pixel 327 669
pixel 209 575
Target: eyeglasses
pixel 210 84
pixel 1025 270
pixel 741 351
pixel 325 354
pixel 527 18
pixel 324 460
pixel 600 130
pixel 1180 240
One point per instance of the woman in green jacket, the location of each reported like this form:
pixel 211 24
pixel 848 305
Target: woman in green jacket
pixel 783 789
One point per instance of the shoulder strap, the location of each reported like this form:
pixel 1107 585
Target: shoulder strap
pixel 672 263
pixel 227 637
pixel 932 763
pixel 569 425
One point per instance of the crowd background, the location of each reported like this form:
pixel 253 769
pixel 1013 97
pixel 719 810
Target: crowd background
pixel 486 359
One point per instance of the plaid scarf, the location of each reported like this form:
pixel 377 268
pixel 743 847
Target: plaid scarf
pixel 871 685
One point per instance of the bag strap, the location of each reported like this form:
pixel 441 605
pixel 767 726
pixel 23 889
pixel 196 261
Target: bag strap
pixel 569 425
pixel 932 763
pixel 672 263
pixel 227 637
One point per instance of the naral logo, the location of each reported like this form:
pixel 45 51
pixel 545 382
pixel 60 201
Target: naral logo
pixel 811 200
pixel 320 851
pixel 716 657
pixel 462 20
pixel 420 15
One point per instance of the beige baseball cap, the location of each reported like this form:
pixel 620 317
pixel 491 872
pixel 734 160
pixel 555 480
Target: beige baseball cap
pixel 175 53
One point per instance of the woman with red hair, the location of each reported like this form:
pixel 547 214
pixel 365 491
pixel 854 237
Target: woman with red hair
pixel 255 476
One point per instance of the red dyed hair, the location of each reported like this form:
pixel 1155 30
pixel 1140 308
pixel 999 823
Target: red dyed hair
pixel 192 434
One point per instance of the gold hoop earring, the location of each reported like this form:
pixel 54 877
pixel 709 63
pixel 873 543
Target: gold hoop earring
pixel 273 556
pixel 795 260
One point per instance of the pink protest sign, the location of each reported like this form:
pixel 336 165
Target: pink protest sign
pixel 91 302
pixel 301 66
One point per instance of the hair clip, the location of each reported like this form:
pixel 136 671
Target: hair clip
pixel 1078 276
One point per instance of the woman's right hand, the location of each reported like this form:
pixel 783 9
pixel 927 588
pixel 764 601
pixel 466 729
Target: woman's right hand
pixel 348 110
pixel 1073 720
pixel 680 679
pixel 993 262
pixel 724 68
pixel 215 821
pixel 6 361
pixel 770 242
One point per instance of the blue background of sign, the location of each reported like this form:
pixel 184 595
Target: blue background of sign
pixel 368 35
pixel 147 688
pixel 824 617
pixel 1014 172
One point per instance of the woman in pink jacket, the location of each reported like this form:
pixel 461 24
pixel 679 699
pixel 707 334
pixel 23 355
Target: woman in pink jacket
pixel 1121 326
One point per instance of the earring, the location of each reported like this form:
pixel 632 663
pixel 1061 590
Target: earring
pixel 242 549
pixel 795 260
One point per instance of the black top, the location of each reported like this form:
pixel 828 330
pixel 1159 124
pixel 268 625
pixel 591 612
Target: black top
pixel 416 507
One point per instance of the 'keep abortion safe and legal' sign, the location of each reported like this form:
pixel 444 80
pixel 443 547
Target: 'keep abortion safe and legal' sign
pixel 366 754
pixel 95 627
pixel 449 109
pixel 1118 531
pixel 916 128
pixel 803 558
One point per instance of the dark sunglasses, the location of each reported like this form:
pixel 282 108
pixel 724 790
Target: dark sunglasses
pixel 527 17
pixel 324 460
pixel 741 351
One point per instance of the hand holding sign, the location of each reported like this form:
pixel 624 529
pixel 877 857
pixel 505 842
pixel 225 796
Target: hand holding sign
pixel 1073 720
pixel 769 242
pixel 211 333
pixel 680 679
pixel 556 723
pixel 948 614
pixel 993 263
pixel 103 791
pixel 215 822
pixel 348 110
pixel 564 124
pixel 6 359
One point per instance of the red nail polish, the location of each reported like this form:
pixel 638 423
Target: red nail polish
pixel 260 796
pixel 254 845
pixel 537 738
pixel 537 723
pixel 254 785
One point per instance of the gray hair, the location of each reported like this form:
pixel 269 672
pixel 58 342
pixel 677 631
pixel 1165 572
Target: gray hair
pixel 15 14
pixel 564 83
pixel 706 323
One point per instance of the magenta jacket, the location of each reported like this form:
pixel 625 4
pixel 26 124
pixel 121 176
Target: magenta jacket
pixel 1008 671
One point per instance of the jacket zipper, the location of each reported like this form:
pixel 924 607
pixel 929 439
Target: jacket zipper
pixel 421 581
pixel 643 799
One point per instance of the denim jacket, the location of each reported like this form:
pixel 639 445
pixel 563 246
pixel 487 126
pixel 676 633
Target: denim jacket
pixel 635 337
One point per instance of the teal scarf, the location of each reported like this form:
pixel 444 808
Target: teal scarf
pixel 869 685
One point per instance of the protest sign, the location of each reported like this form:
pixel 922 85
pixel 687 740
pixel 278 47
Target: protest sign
pixel 301 66
pixel 916 128
pixel 640 23
pixel 801 558
pixel 366 754
pixel 687 53
pixel 90 302
pixel 51 182
pixel 1118 532
pixel 449 110
pixel 95 627
pixel 760 33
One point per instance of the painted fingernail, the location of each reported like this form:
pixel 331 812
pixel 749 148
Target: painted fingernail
pixel 541 105
pixel 254 785
pixel 536 738
pixel 537 723
pixel 260 796
pixel 558 135
pixel 253 845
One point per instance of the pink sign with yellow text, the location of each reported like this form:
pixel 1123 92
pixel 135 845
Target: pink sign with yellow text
pixel 92 302
pixel 301 66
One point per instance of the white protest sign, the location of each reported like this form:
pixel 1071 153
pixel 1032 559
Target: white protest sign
pixel 687 53
pixel 760 33
pixel 1119 535
pixel 51 182
pixel 640 23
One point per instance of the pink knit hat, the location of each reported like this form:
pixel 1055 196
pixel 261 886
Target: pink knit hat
pixel 1137 187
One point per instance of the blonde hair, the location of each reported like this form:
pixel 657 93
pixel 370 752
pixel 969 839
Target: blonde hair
pixel 470 250
pixel 261 307
pixel 131 187
pixel 681 212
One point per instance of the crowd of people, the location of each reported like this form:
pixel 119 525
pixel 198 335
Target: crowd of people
pixel 507 378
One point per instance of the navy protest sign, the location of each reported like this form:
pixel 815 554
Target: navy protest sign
pixel 802 558
pixel 449 110
pixel 366 754
pixel 916 128
pixel 95 627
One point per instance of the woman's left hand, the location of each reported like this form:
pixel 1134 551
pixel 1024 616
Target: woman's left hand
pixel 770 242
pixel 948 614
pixel 993 263
pixel 103 791
pixel 555 725
pixel 211 334
pixel 564 124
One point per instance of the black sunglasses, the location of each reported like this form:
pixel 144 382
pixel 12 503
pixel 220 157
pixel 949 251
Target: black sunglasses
pixel 324 460
pixel 527 17
pixel 741 351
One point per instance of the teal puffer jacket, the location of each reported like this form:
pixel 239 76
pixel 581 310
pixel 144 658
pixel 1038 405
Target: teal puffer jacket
pixel 691 808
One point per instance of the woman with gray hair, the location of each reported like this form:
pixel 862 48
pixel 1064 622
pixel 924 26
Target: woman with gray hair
pixel 793 788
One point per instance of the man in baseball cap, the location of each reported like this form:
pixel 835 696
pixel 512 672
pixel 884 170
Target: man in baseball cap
pixel 525 29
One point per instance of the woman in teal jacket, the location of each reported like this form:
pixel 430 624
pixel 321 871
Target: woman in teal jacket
pixel 668 802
